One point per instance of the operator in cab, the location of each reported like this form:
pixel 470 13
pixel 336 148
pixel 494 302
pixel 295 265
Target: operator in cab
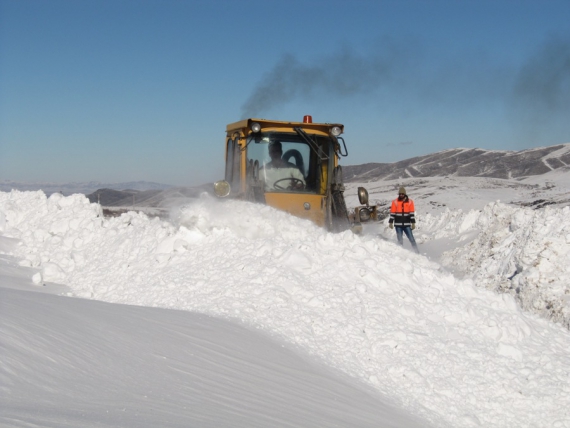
pixel 279 174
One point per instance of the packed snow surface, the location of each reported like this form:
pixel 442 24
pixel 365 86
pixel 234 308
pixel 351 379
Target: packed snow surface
pixel 81 363
pixel 447 350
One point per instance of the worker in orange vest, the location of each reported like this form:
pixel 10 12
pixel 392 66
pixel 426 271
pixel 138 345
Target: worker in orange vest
pixel 403 216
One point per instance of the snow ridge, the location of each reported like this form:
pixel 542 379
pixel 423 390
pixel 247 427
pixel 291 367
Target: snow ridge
pixel 519 251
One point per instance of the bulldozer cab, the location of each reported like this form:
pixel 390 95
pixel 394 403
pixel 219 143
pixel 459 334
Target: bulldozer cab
pixel 292 166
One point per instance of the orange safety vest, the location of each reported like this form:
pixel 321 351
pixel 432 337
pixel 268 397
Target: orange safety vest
pixel 402 213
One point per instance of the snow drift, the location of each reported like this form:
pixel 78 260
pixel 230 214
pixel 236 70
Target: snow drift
pixel 523 252
pixel 442 347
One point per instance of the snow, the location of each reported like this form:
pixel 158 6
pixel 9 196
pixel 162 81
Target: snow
pixel 72 362
pixel 305 327
pixel 500 246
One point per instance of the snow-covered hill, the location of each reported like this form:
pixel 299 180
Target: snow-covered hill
pixel 467 163
pixel 445 349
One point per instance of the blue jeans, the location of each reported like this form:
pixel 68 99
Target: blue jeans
pixel 408 231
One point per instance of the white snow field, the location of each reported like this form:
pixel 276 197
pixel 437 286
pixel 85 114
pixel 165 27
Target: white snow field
pixel 280 323
pixel 78 363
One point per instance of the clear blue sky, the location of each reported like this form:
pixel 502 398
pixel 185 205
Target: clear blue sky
pixel 121 90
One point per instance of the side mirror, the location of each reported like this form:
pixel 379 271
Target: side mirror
pixel 222 188
pixel 363 196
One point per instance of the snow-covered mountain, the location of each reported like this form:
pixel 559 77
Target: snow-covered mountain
pixel 467 163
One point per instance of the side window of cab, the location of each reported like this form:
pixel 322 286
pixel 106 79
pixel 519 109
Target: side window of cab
pixel 233 164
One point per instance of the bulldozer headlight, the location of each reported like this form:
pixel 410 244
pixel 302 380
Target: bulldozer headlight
pixel 255 127
pixel 363 195
pixel 222 188
pixel 336 131
pixel 364 214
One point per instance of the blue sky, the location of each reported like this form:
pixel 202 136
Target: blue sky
pixel 120 90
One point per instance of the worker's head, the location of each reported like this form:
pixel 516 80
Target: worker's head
pixel 275 150
pixel 402 193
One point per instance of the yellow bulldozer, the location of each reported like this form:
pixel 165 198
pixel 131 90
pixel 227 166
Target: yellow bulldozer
pixel 294 167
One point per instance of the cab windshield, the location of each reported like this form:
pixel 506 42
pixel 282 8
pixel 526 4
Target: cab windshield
pixel 287 163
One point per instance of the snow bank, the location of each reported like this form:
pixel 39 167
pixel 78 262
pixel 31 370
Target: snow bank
pixel 519 251
pixel 442 347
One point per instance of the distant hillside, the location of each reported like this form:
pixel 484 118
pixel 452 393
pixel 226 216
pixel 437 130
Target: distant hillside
pixel 453 162
pixel 85 188
pixel 466 163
